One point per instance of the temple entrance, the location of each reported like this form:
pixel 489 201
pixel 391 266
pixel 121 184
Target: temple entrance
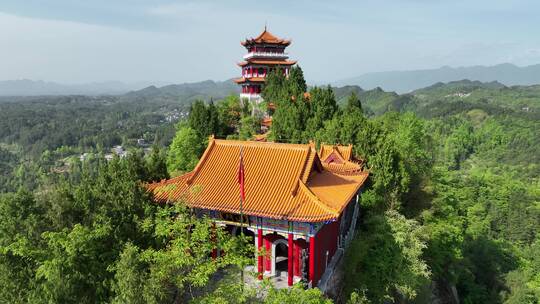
pixel 280 257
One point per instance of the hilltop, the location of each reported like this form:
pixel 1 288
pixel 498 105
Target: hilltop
pixel 440 96
pixel 188 91
pixel 397 81
pixel 27 87
pixel 407 81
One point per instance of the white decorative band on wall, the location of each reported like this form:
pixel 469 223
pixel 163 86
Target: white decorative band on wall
pixel 266 55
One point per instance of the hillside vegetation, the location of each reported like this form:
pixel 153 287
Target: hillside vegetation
pixel 451 211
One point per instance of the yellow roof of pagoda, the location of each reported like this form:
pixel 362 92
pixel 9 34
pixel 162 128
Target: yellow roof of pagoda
pixel 266 37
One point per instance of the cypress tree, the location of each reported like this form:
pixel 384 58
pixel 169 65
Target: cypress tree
pixel 353 103
pixel 214 126
pixel 295 82
pixel 199 118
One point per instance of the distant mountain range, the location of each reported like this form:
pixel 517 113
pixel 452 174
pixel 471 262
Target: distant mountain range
pixel 407 81
pixel 186 91
pixel 26 87
pixel 398 81
pixel 189 91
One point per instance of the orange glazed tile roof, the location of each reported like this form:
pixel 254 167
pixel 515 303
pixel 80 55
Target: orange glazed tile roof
pixel 339 159
pixel 261 137
pixel 266 37
pixel 282 181
pixel 268 62
pixel 344 152
pixel 267 122
pixel 252 79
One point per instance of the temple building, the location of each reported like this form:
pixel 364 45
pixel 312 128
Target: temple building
pixel 300 203
pixel 265 52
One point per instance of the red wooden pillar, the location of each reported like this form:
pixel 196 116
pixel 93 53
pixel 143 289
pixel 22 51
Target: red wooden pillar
pixel 296 271
pixel 268 258
pixel 259 255
pixel 290 260
pixel 312 278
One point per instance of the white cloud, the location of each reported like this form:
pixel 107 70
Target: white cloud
pixel 196 40
pixel 523 56
pixel 75 52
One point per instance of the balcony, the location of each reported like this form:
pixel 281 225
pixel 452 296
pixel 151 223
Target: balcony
pixel 266 55
pixel 251 97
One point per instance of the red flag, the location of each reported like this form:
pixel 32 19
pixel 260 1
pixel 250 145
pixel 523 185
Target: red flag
pixel 241 176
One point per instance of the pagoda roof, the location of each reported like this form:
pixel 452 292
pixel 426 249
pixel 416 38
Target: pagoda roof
pixel 267 122
pixel 261 137
pixel 266 37
pixel 338 158
pixel 249 79
pixel 343 152
pixel 267 62
pixel 282 181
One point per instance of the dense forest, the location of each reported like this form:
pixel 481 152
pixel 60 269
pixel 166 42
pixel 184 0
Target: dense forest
pixel 451 212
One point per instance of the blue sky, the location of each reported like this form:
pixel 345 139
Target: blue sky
pixel 74 41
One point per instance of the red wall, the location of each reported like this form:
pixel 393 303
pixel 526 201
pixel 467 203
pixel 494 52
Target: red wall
pixel 325 240
pixel 268 240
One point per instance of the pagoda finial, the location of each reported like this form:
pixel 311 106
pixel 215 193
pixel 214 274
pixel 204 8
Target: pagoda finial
pixel 265 23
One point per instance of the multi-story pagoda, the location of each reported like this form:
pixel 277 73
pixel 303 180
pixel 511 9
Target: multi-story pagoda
pixel 265 52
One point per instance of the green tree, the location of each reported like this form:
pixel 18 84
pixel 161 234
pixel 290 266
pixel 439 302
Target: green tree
pixel 294 295
pixel 292 110
pixel 386 260
pixel 323 106
pixel 22 221
pixel 72 270
pixel 459 145
pixel 524 282
pixel 183 261
pixel 156 164
pixel 199 119
pixel 130 276
pixel 214 124
pixel 275 88
pixel 296 84
pixel 185 150
pixel 287 124
pixel 344 128
pixel 229 113
pixel 249 125
pixel 353 103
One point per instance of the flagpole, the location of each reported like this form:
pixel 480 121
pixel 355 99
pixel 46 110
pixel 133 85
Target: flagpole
pixel 241 178
pixel 241 198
